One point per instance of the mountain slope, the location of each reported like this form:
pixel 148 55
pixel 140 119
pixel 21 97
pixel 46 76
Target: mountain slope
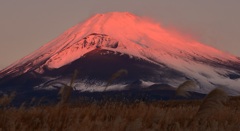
pixel 138 38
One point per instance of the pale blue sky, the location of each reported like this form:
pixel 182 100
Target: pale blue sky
pixel 25 25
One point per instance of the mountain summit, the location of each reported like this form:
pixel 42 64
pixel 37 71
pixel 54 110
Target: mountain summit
pixel 147 50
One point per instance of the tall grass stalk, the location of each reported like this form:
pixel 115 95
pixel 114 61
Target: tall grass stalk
pixel 66 90
pixel 213 103
pixel 116 75
pixel 182 89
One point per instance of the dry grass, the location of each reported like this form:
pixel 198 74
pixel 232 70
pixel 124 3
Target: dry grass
pixel 7 99
pixel 212 106
pixel 66 90
pixel 115 76
pixel 182 89
pixel 162 115
pixel 213 103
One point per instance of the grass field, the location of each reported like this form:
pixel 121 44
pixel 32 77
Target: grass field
pixel 117 116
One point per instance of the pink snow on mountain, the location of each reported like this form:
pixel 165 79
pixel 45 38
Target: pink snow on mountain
pixel 137 34
pixel 133 35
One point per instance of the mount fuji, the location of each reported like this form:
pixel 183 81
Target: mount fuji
pixel 106 43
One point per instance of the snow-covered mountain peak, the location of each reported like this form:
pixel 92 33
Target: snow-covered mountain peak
pixel 138 37
pixel 79 48
pixel 137 32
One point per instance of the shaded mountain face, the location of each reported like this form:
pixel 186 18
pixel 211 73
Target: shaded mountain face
pixel 106 43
